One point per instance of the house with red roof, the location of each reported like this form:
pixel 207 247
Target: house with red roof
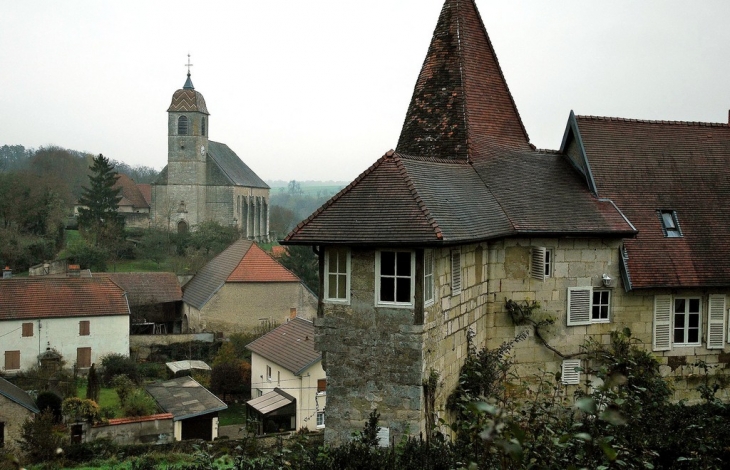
pixel 622 227
pixel 242 288
pixel 81 318
pixel 288 383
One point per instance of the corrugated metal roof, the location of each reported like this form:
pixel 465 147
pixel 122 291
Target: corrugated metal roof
pixel 271 401
pixel 179 366
pixel 185 398
pixel 17 395
pixel 290 345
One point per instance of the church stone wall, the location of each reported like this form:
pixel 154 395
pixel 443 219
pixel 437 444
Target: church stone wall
pixel 219 204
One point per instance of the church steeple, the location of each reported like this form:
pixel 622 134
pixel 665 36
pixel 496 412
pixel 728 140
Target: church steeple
pixel 461 105
pixel 188 83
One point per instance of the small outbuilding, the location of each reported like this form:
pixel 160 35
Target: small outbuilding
pixel 193 407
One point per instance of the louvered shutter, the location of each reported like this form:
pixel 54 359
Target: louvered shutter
pixel 569 374
pixel 537 270
pixel 579 305
pixel 662 337
pixel 716 322
pixel 455 272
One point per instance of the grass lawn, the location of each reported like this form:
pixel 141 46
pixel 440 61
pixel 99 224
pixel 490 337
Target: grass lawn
pixel 235 414
pixel 108 398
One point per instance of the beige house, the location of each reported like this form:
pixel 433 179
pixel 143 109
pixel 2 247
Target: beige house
pixel 15 407
pixel 288 383
pixel 622 227
pixel 241 288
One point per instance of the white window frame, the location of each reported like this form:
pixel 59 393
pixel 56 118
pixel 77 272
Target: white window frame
pixel 333 299
pixel 580 306
pixel 456 272
pixel 686 314
pixel 428 284
pixel 599 304
pixel 569 375
pixel 542 261
pixel 320 419
pixel 412 276
pixel 664 322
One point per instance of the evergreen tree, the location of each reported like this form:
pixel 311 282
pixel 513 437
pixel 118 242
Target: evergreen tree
pixel 99 220
pixel 93 388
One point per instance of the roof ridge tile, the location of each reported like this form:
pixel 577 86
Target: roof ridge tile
pixel 653 121
pixel 416 197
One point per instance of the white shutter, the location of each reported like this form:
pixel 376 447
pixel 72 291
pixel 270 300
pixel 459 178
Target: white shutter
pixel 662 337
pixel 579 305
pixel 716 322
pixel 569 374
pixel 455 272
pixel 537 270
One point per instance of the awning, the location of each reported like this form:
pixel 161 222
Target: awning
pixel 271 401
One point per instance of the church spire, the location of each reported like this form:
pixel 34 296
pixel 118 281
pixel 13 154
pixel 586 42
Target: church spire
pixel 461 105
pixel 188 83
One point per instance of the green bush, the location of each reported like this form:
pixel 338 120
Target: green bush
pixel 50 401
pixel 139 403
pixel 118 364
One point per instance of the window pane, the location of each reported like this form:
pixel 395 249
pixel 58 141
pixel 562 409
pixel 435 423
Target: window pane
pixel 668 220
pixel 387 263
pixel 679 305
pixel 693 336
pixel 332 261
pixel 341 286
pixel 387 289
pixel 595 311
pixel 694 320
pixel 694 305
pixel 678 335
pixel 332 287
pixel 404 264
pixel 679 320
pixel 342 261
pixel 403 289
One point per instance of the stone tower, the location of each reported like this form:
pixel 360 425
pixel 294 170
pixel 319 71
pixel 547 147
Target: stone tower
pixel 187 148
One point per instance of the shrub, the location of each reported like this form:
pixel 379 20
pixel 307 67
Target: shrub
pixel 124 386
pixel 50 401
pixel 118 364
pixel 139 403
pixel 40 439
pixel 77 409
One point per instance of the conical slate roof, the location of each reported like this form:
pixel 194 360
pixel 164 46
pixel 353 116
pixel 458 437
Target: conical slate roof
pixel 461 101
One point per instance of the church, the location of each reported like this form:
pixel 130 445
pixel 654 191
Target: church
pixel 205 180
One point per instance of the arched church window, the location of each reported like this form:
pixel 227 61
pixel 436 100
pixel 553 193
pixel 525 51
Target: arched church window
pixel 182 125
pixel 202 127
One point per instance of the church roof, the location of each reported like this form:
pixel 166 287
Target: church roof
pixel 236 171
pixel 243 261
pixel 461 101
pixel 188 100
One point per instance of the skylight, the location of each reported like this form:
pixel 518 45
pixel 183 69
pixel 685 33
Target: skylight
pixel 670 224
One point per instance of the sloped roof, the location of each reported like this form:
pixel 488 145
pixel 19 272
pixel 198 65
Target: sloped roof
pixel 146 190
pixel 46 297
pixel 188 100
pixel 258 266
pixel 17 395
pixel 243 261
pixel 272 401
pixel 649 166
pixel 233 167
pixel 464 169
pixel 290 345
pixel 147 288
pixel 184 398
pixel 461 93
pixel 131 195
pixel 180 366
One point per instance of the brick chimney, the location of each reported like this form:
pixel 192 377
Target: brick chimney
pixel 74 270
pixel 7 272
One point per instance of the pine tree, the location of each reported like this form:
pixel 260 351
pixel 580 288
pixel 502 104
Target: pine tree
pixel 93 387
pixel 99 220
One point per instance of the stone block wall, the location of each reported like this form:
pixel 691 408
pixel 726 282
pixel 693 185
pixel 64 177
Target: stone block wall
pixel 13 416
pixel 373 359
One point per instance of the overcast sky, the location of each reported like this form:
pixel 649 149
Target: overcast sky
pixel 318 89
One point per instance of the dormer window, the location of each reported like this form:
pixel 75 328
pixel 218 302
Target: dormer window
pixel 182 125
pixel 670 224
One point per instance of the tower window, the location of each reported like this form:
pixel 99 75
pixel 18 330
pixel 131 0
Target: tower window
pixel 202 127
pixel 182 125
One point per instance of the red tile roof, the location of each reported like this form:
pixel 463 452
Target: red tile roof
pixel 290 345
pixel 258 266
pixel 648 166
pixel 131 195
pixel 461 98
pixel 136 419
pixel 146 190
pixel 147 288
pixel 60 297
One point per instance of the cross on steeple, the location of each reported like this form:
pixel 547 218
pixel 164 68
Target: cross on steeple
pixel 188 65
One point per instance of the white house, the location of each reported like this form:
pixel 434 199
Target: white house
pixel 81 318
pixel 288 383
